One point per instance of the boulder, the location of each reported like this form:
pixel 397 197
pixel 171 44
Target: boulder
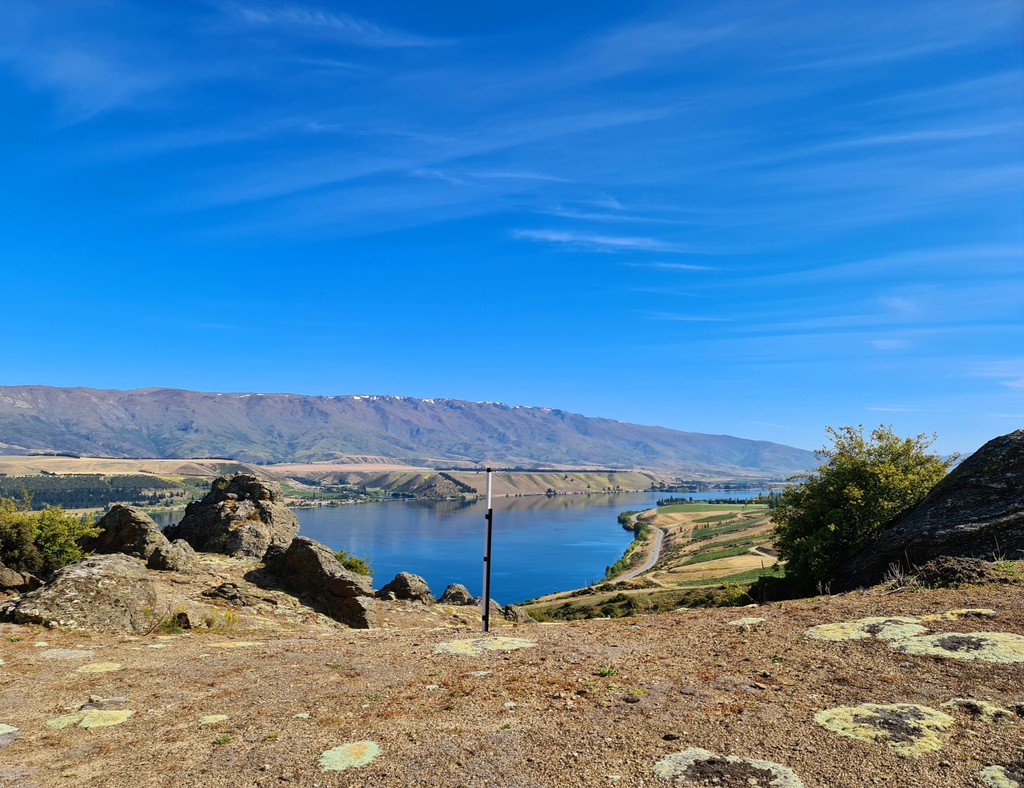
pixel 311 569
pixel 241 516
pixel 125 529
pixel 517 614
pixel 176 556
pixel 977 511
pixel 456 594
pixel 17 582
pixel 110 593
pixel 407 586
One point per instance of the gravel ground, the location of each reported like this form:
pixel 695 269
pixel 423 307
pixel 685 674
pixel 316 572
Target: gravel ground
pixel 587 703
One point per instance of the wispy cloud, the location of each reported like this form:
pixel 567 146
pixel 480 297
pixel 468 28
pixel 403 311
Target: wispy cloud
pixel 88 74
pixel 315 22
pixel 1007 372
pixel 593 242
pixel 673 266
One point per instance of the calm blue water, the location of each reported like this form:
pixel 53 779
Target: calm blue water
pixel 540 544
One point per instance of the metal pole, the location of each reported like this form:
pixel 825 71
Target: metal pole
pixel 489 517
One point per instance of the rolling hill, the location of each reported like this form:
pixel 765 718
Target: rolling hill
pixel 264 428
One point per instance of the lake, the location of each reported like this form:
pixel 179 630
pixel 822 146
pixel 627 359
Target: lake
pixel 540 544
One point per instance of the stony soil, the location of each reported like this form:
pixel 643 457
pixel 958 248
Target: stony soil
pixel 591 703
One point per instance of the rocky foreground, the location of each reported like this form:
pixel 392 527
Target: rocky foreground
pixel 273 697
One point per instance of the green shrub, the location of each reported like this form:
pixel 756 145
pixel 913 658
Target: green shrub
pixel 40 542
pixel 353 564
pixel 863 486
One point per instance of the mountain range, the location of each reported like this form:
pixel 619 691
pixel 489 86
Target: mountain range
pixel 269 428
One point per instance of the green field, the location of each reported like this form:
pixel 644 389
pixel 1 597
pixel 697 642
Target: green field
pixel 710 507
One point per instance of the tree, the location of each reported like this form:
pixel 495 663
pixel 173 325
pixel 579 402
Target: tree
pixel 39 542
pixel 862 487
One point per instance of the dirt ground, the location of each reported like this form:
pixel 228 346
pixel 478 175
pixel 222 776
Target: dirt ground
pixel 259 700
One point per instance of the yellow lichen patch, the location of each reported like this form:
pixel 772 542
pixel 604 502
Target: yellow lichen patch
pixel 982 710
pixel 235 644
pixel 92 718
pixel 881 627
pixel 746 622
pixel 476 647
pixel 907 728
pixel 349 756
pixel 212 719
pixel 964 612
pixel 5 729
pixel 695 766
pixel 987 646
pixel 1001 777
pixel 99 667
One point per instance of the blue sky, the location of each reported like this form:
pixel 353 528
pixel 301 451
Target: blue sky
pixel 756 218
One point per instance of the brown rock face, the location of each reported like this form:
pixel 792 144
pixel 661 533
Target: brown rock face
pixel 125 529
pixel 977 511
pixel 407 586
pixel 241 516
pixel 311 569
pixel 17 581
pixel 456 594
pixel 110 593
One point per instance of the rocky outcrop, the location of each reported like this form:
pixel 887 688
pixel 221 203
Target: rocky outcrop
pixel 125 529
pixel 457 594
pixel 241 516
pixel 111 593
pixel 407 586
pixel 311 569
pixel 517 614
pixel 176 556
pixel 977 511
pixel 17 582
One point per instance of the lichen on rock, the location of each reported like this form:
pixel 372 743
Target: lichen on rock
pixel 880 627
pixel 907 728
pixel 8 733
pixel 987 646
pixel 1002 777
pixel 349 756
pixel 91 718
pixel 477 646
pixel 957 614
pixel 979 709
pixel 695 766
pixel 212 719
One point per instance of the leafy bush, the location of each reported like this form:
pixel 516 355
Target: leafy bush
pixel 40 542
pixel 353 564
pixel 863 486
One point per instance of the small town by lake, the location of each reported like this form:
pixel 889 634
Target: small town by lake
pixel 541 544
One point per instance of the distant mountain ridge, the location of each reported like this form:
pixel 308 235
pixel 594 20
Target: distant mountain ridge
pixel 264 428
